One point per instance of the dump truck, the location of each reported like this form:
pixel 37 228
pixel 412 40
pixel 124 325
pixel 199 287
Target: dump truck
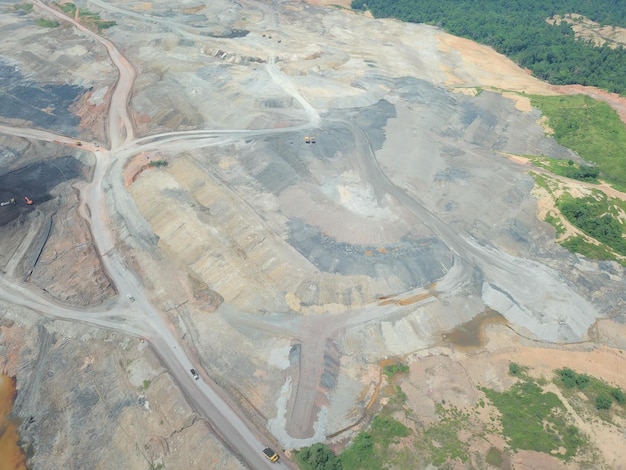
pixel 307 139
pixel 270 454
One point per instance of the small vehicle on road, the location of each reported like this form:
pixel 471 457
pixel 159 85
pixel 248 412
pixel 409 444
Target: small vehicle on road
pixel 270 454
pixel 130 297
pixel 194 373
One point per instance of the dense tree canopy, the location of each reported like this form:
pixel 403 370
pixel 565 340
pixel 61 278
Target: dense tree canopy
pixel 518 29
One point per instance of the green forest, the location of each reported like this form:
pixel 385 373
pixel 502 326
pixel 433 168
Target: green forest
pixel 518 29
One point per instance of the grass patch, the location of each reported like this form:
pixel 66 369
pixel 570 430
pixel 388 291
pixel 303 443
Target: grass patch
pixel 556 223
pixel 68 8
pixel 392 369
pixel 399 399
pixel 25 7
pixel 46 23
pixel 88 17
pixel 102 24
pixel 543 181
pixel 592 129
pixel 534 420
pixel 579 245
pixel 567 168
pixel 146 384
pixel 369 451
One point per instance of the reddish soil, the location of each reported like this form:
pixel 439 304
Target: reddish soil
pixel 12 456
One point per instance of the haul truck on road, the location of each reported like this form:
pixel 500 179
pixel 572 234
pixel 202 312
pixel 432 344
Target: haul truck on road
pixel 270 454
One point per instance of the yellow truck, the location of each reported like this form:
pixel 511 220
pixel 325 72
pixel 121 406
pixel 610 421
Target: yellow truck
pixel 270 454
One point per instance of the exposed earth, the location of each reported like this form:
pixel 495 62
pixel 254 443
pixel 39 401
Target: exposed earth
pixel 281 196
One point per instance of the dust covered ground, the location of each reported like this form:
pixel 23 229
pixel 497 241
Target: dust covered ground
pixel 291 268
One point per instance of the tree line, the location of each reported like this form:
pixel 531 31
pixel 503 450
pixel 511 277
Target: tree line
pixel 519 30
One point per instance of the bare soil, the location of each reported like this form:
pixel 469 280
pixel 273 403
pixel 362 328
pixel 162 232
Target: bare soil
pixel 307 244
pixel 13 457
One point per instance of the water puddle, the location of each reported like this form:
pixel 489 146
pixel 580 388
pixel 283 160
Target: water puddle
pixel 11 455
pixel 471 335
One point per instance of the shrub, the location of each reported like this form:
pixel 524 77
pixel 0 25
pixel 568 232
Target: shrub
pixel 603 401
pixel 572 379
pixel 318 457
pixel 515 369
pixel 568 377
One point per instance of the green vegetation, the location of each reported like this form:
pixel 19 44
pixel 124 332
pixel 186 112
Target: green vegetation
pixel 84 13
pixel 593 130
pixel 603 401
pixel 567 168
pixel 619 396
pixel 101 24
pixel 68 8
pixel 158 163
pixel 597 391
pixel 593 216
pixel 590 128
pixel 542 181
pixel 46 23
pixel 318 457
pixel 534 420
pixel 88 16
pixel 442 438
pixel 578 244
pixel 571 379
pixel 393 369
pixel 516 370
pixel 520 31
pixel 25 7
pixel 529 419
pixel 146 384
pixel 369 449
pixel 399 399
pixel 556 223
